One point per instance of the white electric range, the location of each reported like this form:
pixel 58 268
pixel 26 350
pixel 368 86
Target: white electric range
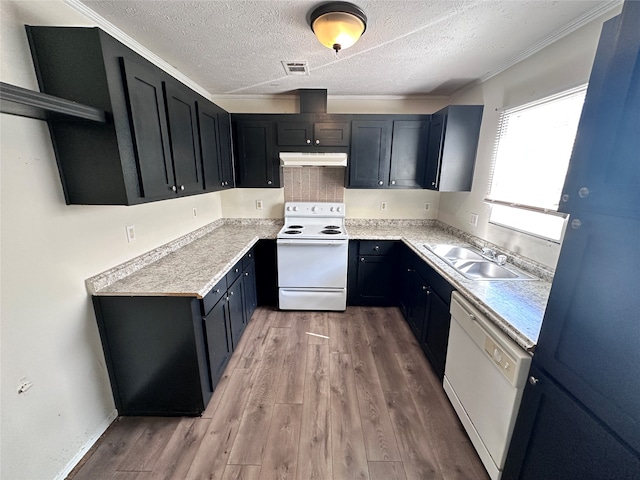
pixel 312 250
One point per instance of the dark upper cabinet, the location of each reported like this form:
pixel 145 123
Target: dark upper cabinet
pixel 150 145
pixel 408 153
pixel 183 137
pixel 451 152
pixel 388 153
pixel 256 156
pixel 150 131
pixel 226 156
pixel 294 132
pixel 370 153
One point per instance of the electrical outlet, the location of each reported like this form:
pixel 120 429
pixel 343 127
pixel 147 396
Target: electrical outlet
pixel 473 219
pixel 131 233
pixel 427 206
pixel 195 212
pixel 258 204
pixel 383 205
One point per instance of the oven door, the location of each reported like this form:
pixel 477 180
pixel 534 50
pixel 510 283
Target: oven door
pixel 312 263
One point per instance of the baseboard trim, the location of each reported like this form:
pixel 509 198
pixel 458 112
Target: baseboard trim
pixel 88 444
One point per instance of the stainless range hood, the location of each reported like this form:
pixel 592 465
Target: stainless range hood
pixel 311 159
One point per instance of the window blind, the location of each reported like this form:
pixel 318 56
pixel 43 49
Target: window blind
pixel 532 152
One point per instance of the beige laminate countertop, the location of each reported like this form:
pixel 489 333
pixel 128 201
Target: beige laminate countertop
pixel 192 266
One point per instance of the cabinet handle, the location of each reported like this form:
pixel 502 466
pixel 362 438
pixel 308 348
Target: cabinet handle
pixel 217 290
pixel 308 141
pixel 249 255
pixel 174 188
pixel 393 182
pixel 533 380
pixel 376 248
pixel 424 287
pixel 269 182
pixel 317 142
pixel 433 184
pixel 181 187
pixel 362 259
pixel 246 274
pixel 237 270
pixel 222 183
pixel 380 182
pixel 409 269
pixel 230 293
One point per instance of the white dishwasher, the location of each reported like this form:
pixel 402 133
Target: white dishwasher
pixel 484 377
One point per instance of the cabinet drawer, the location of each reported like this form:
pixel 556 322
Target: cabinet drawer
pixel 376 247
pixel 215 294
pixel 234 273
pixel 247 259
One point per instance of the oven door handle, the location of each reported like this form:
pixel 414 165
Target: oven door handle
pixel 311 243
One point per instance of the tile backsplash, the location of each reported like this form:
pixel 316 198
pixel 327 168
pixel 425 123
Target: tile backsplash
pixel 313 184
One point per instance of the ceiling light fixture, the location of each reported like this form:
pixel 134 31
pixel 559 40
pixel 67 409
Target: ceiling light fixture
pixel 338 25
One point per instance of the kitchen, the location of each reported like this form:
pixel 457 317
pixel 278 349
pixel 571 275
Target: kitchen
pixel 53 342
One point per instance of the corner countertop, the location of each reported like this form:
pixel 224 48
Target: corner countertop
pixel 193 264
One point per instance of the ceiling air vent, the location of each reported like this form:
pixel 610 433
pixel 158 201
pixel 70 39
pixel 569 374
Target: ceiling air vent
pixel 296 68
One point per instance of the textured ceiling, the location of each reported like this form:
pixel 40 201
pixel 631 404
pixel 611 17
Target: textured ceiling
pixel 409 48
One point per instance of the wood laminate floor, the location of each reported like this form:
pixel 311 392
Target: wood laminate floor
pixel 306 395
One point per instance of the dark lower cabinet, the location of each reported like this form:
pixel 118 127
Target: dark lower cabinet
pixel 165 355
pixel 425 299
pixel 372 272
pixel 557 438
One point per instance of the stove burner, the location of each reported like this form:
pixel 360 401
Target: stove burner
pixel 331 232
pixel 295 227
pixel 292 232
pixel 332 227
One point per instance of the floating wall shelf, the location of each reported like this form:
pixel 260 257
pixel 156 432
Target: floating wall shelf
pixel 27 103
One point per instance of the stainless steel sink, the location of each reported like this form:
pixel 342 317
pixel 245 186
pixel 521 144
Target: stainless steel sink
pixel 474 266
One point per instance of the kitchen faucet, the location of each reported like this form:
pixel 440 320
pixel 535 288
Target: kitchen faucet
pixel 493 256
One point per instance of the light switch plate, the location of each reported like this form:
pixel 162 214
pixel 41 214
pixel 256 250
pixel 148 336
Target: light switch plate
pixel 131 233
pixel 473 219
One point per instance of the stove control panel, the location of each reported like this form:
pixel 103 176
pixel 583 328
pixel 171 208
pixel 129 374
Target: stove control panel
pixel 311 209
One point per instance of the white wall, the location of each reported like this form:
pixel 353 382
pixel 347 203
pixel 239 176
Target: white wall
pixel 562 65
pixel 48 249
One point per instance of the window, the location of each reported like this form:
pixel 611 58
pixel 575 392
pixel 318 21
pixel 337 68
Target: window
pixel 533 148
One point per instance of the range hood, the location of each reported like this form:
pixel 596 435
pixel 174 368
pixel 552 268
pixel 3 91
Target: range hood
pixel 304 159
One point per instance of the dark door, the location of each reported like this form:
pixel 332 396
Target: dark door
pixel 556 438
pixel 250 294
pixel 434 151
pixel 257 164
pixel 408 153
pixel 236 311
pixel 150 132
pixel 209 147
pixel 218 340
pixel 370 153
pixel 331 134
pixel 375 280
pixel 226 157
pixel 183 134
pixel 295 134
pixel 589 337
pixel 418 305
pixel 435 335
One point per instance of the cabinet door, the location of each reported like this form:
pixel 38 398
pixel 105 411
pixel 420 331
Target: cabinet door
pixel 209 147
pixel 436 332
pixel 150 133
pixel 257 163
pixel 183 135
pixel 408 153
pixel 555 437
pixel 295 134
pixel 331 134
pixel 226 156
pixel 418 304
pixel 434 151
pixel 370 154
pixel 218 336
pixel 375 280
pixel 237 319
pixel 250 294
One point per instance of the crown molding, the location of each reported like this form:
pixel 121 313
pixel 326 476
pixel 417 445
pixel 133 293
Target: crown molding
pixel 119 35
pixel 552 38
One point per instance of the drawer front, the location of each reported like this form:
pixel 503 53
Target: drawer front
pixel 215 294
pixel 247 259
pixel 234 273
pixel 376 247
